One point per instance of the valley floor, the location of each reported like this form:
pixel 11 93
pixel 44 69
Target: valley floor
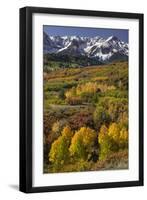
pixel 86 118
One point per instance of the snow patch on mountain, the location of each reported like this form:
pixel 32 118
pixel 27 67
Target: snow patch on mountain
pixel 97 47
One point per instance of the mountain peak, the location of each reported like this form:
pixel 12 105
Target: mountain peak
pixel 112 37
pixel 92 47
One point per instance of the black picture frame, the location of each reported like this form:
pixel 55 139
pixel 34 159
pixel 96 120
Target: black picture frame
pixel 26 99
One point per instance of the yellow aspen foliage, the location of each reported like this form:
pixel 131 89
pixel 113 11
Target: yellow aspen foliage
pixel 87 88
pixel 124 134
pixel 124 138
pixel 67 132
pixel 107 146
pixel 106 142
pixel 92 87
pixel 59 152
pixel 112 139
pixel 82 142
pixel 114 132
pixel 102 134
pixel 70 93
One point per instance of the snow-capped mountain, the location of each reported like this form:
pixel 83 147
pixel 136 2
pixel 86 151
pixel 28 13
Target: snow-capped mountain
pixel 105 50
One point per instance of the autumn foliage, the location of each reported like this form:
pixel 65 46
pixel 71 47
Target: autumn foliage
pixel 59 153
pixel 112 139
pixel 82 143
pixel 85 118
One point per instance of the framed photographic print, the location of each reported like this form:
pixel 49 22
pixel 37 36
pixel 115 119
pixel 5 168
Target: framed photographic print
pixel 81 99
